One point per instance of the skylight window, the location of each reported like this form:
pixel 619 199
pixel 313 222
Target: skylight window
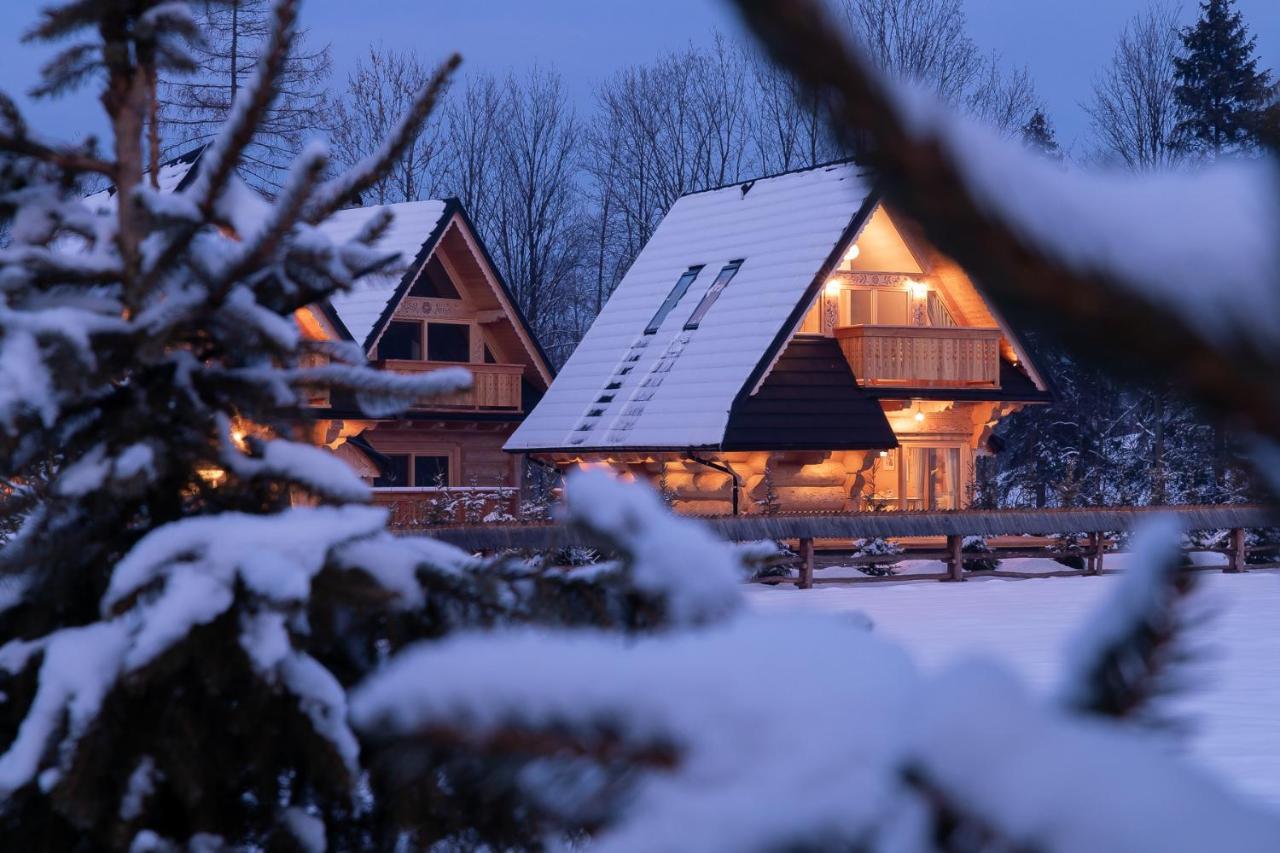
pixel 713 293
pixel 676 294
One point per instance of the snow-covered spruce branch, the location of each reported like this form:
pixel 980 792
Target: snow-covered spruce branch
pixel 1120 658
pixel 1170 275
pixel 221 157
pixel 365 174
pixel 14 139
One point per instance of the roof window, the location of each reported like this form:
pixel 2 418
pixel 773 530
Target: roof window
pixel 676 294
pixel 713 293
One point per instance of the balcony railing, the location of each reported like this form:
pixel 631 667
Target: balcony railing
pixel 922 356
pixel 494 386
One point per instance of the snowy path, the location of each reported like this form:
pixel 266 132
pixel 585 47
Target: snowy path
pixel 1233 708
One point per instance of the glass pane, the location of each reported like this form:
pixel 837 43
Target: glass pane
pixel 882 490
pixel 431 471
pixel 891 307
pixel 676 294
pixel 395 472
pixel 860 307
pixel 448 342
pixel 434 282
pixel 914 477
pixel 401 341
pixel 713 293
pixel 944 478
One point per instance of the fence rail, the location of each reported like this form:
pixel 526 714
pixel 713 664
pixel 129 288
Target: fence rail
pixel 1092 524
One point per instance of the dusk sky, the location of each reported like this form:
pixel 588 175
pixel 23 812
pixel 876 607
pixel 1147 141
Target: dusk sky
pixel 1063 42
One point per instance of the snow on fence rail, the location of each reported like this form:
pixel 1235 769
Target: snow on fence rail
pixel 1093 523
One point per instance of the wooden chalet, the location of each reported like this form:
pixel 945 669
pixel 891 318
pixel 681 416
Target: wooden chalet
pixel 788 344
pixel 443 304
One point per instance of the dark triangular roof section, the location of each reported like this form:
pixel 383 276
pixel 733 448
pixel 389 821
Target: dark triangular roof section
pixel 809 401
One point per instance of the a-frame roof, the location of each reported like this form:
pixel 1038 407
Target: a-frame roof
pixel 677 388
pixel 674 389
pixel 416 233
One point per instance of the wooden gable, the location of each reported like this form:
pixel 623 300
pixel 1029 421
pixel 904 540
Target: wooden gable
pixel 499 335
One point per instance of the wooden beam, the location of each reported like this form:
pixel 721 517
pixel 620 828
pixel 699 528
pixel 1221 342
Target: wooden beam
pixel 1238 552
pixel 955 558
pixel 805 581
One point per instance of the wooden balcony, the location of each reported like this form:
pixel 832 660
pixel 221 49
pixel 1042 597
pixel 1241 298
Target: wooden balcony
pixel 495 387
pixel 922 356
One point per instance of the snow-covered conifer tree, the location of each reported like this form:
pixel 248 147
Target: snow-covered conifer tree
pixel 192 588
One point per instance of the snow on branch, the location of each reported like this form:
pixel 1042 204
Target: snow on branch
pixel 1170 275
pixel 709 719
pixel 1118 661
pixel 672 558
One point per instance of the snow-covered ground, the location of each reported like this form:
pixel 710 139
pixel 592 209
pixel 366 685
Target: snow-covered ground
pixel 1232 704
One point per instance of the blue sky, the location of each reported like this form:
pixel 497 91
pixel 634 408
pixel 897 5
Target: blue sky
pixel 1063 42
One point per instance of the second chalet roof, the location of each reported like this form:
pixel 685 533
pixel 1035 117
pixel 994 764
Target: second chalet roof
pixel 623 389
pixel 414 227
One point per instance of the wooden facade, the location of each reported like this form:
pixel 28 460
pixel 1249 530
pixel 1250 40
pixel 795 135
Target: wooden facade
pixel 448 308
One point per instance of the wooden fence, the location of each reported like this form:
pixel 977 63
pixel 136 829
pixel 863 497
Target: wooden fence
pixel 1093 526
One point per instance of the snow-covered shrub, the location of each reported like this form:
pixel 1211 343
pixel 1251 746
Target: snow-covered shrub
pixel 875 547
pixel 1067 550
pixel 986 559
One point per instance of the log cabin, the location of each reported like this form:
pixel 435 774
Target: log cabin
pixel 442 304
pixel 788 344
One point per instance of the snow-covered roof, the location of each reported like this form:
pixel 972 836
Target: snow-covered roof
pixel 172 177
pixel 624 389
pixel 413 226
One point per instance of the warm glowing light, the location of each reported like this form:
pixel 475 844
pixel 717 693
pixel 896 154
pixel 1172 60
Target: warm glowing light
pixel 884 453
pixel 853 253
pixel 833 287
pixel 918 289
pixel 212 475
pixel 919 416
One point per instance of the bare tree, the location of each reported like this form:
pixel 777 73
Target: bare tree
pixel 194 108
pixel 379 90
pixel 926 42
pixel 788 123
pixel 1134 110
pixel 471 119
pixel 514 159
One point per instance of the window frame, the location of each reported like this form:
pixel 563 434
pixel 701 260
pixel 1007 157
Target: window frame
pixel 422 340
pixel 846 304
pixel 453 454
pixel 677 292
pixel 471 339
pixel 709 299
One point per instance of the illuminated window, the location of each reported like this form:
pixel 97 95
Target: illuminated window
pixel 676 294
pixel 878 307
pixel 713 293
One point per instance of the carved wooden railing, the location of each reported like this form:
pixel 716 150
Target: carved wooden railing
pixel 922 356
pixel 494 386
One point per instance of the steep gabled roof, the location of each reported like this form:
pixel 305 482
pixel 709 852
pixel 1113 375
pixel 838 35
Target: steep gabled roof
pixel 415 229
pixel 416 232
pixel 674 389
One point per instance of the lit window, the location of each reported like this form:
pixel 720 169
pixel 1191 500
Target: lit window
pixel 713 293
pixel 676 294
pixel 448 342
pixel 401 341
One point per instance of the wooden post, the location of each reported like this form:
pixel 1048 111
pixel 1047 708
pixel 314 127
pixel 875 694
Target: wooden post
pixel 806 564
pixel 1093 558
pixel 955 558
pixel 1238 552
